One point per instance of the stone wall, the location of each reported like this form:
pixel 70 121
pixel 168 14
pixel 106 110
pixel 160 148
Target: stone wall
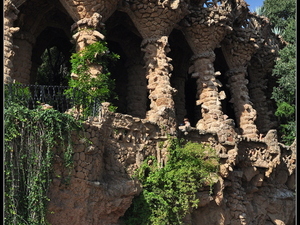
pixel 256 178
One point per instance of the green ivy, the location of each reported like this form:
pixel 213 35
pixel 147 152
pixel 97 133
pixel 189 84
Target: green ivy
pixel 30 137
pixel 15 93
pixel 89 90
pixel 169 193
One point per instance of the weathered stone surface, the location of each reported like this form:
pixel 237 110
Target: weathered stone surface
pixel 201 59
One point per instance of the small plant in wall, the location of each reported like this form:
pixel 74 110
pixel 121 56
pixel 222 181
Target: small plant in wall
pixel 89 89
pixel 169 193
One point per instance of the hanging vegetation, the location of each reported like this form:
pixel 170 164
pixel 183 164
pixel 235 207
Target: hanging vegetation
pixel 30 139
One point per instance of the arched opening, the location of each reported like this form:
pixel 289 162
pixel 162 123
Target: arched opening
pixel 44 26
pixel 221 65
pixel 129 72
pixel 51 58
pixel 185 98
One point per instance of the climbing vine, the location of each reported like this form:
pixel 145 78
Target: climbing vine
pixel 30 137
pixel 90 89
pixel 169 193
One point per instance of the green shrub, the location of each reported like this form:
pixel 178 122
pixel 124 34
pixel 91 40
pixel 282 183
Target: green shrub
pixel 90 90
pixel 169 193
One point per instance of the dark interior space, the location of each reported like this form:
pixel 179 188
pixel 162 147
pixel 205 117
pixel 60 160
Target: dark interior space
pixel 57 61
pixel 123 39
pixel 119 74
pixel 190 101
pixel 49 24
pixel 221 65
pixel 181 54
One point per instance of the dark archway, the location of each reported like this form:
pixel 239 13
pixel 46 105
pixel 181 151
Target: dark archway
pixel 221 65
pixel 185 98
pixel 51 58
pixel 131 83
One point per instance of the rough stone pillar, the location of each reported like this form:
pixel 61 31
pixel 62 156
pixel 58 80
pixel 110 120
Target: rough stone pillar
pixel 162 108
pixel 10 15
pixel 89 15
pixel 22 59
pixel 155 22
pixel 207 92
pixel 244 112
pixel 260 70
pixel 257 90
pixel 205 29
pixel 87 34
pixel 238 49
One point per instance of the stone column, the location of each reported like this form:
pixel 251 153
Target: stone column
pixel 155 21
pixel 257 91
pixel 205 29
pixel 10 15
pixel 260 68
pixel 22 59
pixel 87 34
pixel 158 68
pixel 238 49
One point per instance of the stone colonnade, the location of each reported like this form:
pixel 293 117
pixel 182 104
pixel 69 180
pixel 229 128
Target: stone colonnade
pixel 206 30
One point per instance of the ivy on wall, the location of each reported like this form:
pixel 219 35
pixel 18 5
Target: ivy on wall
pixel 33 137
pixel 30 137
pixel 169 193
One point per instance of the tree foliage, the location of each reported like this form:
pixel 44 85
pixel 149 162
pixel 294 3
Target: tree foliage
pixel 55 68
pixel 282 15
pixel 280 12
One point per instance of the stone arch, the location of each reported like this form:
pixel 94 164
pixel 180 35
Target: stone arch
pixel 51 37
pixel 35 18
pixel 129 73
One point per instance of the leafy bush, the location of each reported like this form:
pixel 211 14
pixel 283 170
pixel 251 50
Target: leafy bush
pixel 169 193
pixel 89 90
pixel 282 15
